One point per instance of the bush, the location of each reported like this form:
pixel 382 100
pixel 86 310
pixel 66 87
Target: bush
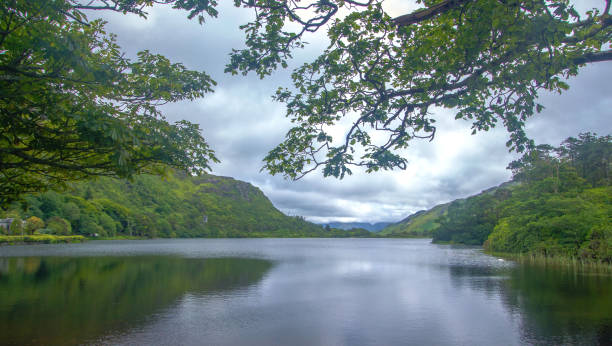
pixel 59 226
pixel 599 244
pixel 44 231
pixel 16 226
pixel 107 223
pixel 89 226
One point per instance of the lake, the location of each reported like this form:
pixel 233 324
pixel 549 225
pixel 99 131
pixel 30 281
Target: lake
pixel 293 292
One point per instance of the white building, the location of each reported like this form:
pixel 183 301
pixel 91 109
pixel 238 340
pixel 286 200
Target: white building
pixel 6 223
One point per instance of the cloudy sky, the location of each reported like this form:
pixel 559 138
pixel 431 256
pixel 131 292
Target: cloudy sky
pixel 242 123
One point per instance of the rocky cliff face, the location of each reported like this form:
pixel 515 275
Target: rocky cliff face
pixel 228 187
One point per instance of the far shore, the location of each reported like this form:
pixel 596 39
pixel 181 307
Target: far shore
pixel 40 239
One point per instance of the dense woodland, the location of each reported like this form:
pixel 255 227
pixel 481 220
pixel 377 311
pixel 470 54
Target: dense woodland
pixel 174 206
pixel 558 204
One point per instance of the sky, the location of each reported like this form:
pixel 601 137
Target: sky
pixel 242 123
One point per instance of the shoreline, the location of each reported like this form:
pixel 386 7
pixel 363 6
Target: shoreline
pixel 553 261
pixel 7 240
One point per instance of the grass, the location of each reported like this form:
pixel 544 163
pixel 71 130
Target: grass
pixel 556 261
pixel 40 238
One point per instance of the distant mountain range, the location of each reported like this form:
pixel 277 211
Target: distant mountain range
pixel 372 227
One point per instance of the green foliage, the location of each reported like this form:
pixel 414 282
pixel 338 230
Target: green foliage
pixel 576 164
pixel 41 238
pixel 487 60
pixel 470 221
pixel 599 243
pixel 350 233
pixel 420 224
pixel 76 293
pixel 557 225
pixel 33 224
pixel 561 206
pixel 72 105
pixel 59 226
pixel 174 206
pixel 591 157
pixel 16 226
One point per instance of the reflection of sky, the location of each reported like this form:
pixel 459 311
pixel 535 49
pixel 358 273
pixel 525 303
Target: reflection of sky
pixel 349 292
pixel 362 292
pixel 242 123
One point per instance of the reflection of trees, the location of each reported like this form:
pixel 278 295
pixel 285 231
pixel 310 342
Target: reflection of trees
pixel 480 278
pixel 556 305
pixel 562 306
pixel 68 300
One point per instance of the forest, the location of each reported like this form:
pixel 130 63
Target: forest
pixel 558 204
pixel 149 206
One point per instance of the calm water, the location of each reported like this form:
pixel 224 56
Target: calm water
pixel 292 292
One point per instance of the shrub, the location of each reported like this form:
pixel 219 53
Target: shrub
pixel 599 244
pixel 88 226
pixel 16 226
pixel 108 224
pixel 59 226
pixel 44 231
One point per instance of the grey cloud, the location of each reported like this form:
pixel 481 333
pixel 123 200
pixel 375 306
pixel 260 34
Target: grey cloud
pixel 586 106
pixel 242 124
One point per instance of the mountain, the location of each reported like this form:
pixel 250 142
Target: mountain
pixel 559 205
pixel 372 227
pixel 424 223
pixel 420 224
pixel 175 206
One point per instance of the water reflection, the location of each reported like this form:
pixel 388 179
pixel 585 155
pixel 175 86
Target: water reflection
pixel 319 292
pixel 560 305
pixel 65 300
pixel 555 305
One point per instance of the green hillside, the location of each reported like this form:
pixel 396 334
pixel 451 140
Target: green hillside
pixel 559 204
pixel 175 206
pixel 420 224
pixel 425 223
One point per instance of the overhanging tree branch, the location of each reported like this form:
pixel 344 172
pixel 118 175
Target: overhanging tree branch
pixel 486 60
pixel 594 57
pixel 72 106
pixel 428 13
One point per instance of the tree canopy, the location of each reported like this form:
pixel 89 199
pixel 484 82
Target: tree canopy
pixel 381 76
pixel 72 105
